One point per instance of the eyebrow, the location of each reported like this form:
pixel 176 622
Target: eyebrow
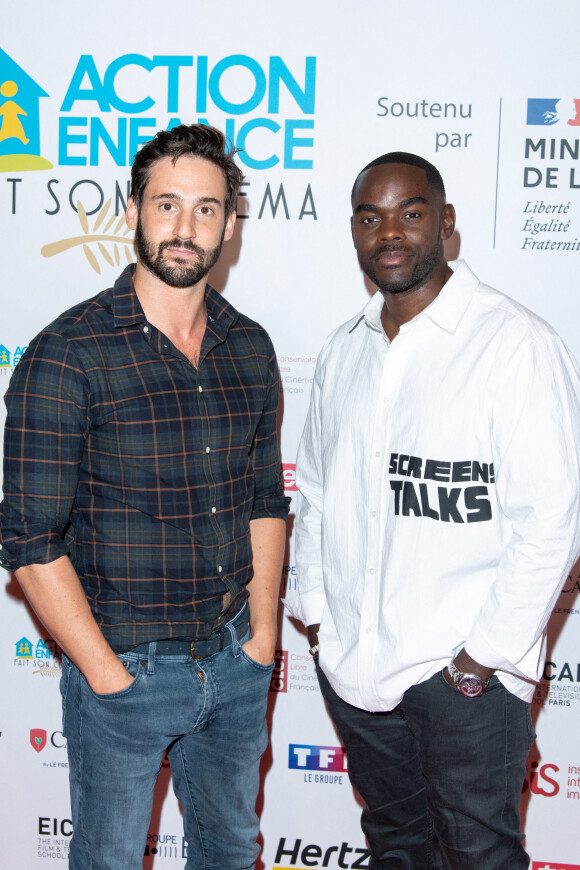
pixel 177 198
pixel 364 206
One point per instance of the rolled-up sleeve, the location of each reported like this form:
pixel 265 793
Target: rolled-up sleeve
pixel 269 498
pixel 46 425
pixel 536 428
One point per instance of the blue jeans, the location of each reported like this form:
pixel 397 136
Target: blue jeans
pixel 209 714
pixel 441 776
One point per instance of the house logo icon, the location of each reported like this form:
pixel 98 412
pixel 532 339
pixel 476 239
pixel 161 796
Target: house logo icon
pixel 19 119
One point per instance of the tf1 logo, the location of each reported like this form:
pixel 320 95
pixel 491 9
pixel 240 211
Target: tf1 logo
pixel 301 757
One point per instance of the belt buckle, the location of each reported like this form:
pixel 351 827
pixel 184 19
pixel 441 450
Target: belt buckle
pixel 192 652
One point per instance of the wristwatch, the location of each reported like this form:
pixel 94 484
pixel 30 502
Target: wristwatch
pixel 469 685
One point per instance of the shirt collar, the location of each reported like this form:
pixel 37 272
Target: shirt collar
pixel 126 307
pixel 452 302
pixel 445 311
pixel 127 310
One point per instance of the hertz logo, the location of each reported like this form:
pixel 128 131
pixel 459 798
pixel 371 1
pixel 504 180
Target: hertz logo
pixel 299 857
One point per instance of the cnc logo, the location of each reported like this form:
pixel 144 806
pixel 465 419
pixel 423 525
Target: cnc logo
pixel 279 680
pixel 327 758
pixel 289 476
pixel 549 865
pixel 38 739
pixel 20 119
pixel 547 112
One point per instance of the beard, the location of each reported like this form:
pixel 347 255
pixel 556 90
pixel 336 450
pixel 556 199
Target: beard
pixel 174 274
pixel 420 273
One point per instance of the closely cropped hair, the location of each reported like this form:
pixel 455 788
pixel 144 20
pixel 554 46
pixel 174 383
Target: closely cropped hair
pixel 433 175
pixel 194 140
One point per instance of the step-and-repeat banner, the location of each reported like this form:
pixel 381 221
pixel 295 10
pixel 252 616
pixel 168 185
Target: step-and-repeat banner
pixel 309 92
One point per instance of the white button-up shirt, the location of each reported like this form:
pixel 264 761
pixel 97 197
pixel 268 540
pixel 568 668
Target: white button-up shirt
pixel 438 503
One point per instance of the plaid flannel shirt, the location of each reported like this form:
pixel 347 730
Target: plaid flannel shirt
pixel 146 470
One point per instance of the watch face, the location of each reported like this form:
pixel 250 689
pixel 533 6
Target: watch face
pixel 471 686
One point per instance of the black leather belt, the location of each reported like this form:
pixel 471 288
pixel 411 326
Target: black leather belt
pixel 200 649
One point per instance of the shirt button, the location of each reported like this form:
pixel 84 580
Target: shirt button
pixel 386 400
pixel 219 569
pixel 207 449
pixel 200 389
pixel 371 570
pixel 377 454
pixel 368 630
pixel 373 513
pixel 145 329
pixel 213 510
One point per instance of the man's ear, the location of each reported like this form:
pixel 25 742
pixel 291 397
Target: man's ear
pixel 132 214
pixel 447 221
pixel 229 227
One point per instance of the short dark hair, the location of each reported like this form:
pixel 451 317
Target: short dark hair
pixel 195 140
pixel 433 175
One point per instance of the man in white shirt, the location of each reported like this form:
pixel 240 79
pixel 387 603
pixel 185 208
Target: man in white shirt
pixel 437 519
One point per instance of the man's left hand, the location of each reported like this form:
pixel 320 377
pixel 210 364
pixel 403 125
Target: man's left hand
pixel 464 663
pixel 261 647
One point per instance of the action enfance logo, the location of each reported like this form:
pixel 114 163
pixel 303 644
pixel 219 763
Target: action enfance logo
pixel 20 114
pixel 8 358
pixel 265 107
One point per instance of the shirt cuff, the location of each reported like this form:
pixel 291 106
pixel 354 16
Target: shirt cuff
pixel 481 651
pixel 308 608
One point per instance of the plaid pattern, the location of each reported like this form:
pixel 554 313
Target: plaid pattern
pixel 144 469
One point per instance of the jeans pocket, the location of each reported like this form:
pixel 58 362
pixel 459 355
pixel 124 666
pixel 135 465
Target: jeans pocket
pixel 260 667
pixel 134 667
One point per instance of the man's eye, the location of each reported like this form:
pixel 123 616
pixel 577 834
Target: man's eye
pixel 166 206
pixel 205 209
pixel 368 220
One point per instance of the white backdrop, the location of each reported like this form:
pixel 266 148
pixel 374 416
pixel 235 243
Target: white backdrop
pixel 312 92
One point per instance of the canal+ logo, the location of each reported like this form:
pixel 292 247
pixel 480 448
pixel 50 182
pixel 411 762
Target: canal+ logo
pixel 108 109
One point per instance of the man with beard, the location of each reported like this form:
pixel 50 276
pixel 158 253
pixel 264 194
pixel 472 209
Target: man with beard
pixel 144 517
pixel 437 519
